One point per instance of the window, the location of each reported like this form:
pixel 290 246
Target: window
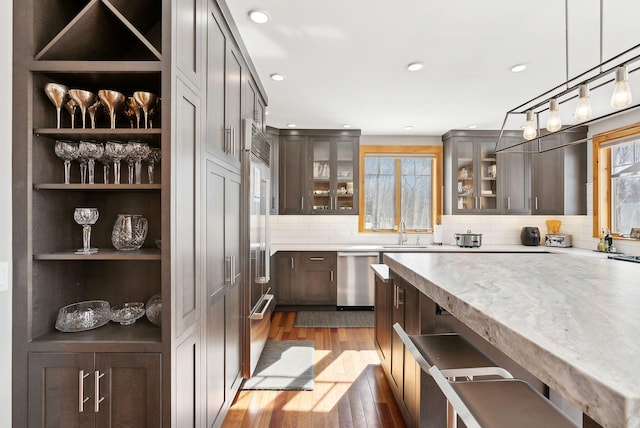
pixel 399 184
pixel 617 181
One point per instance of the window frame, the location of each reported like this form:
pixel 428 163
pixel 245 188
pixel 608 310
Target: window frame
pixel 403 150
pixel 601 146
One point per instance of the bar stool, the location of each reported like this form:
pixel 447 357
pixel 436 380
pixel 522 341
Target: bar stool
pixel 455 357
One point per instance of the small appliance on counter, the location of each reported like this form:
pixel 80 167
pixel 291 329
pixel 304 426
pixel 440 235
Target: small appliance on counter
pixel 468 240
pixel 561 240
pixel 530 236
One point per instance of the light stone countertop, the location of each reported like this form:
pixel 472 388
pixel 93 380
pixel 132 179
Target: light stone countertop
pixel 572 321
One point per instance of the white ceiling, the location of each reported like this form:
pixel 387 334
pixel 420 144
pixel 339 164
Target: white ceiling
pixel 344 61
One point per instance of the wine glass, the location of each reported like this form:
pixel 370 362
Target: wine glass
pixel 89 151
pixel 57 93
pixel 86 217
pixel 117 150
pixel 67 151
pixel 154 111
pixel 84 99
pixel 132 111
pixel 146 100
pixel 113 102
pixel 105 160
pixel 137 152
pixel 94 111
pixel 72 108
pixel 153 157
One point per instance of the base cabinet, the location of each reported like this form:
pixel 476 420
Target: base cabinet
pixel 306 278
pixel 94 389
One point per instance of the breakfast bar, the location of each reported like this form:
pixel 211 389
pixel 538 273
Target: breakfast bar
pixel 571 321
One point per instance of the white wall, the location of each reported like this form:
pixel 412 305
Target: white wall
pixel 6 26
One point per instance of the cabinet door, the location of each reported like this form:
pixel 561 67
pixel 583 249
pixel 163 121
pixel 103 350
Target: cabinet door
pixel 346 169
pixel 233 99
pixel 129 385
pixel 292 173
pixel 285 267
pixel 463 176
pixel 397 348
pixel 316 285
pixel 61 390
pixel 216 48
pixel 486 173
pixel 547 182
pixel 322 180
pixel 513 170
pixel 383 307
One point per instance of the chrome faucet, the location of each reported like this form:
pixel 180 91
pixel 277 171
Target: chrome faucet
pixel 403 233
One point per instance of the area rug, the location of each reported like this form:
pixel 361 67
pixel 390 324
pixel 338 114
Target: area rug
pixel 334 319
pixel 284 365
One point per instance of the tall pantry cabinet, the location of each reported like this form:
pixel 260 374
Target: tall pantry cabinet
pixel 186 372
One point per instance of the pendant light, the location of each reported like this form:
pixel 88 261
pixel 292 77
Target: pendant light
pixel 583 109
pixel 554 123
pixel 530 131
pixel 621 96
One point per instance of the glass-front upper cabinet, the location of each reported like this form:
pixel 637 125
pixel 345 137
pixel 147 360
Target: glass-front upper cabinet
pixel 334 167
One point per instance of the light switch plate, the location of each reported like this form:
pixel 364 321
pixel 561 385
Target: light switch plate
pixel 4 276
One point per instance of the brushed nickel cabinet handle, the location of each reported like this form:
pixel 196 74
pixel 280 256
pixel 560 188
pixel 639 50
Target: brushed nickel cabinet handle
pixel 536 200
pixel 291 262
pixel 97 397
pixel 331 276
pixel 508 202
pixel 316 259
pixel 81 398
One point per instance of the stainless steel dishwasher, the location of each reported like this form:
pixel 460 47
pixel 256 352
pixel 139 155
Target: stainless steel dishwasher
pixel 356 280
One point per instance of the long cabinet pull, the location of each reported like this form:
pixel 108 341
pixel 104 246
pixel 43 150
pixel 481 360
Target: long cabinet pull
pixel 81 398
pixel 97 397
pixel 291 258
pixel 227 268
pixel 536 201
pixel 233 142
pixel 509 202
pixel 395 296
pixel 302 203
pixel 316 259
pixel 331 276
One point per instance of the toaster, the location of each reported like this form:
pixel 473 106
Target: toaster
pixel 557 240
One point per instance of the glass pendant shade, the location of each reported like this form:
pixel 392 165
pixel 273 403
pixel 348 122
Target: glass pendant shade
pixel 583 109
pixel 621 96
pixel 530 131
pixel 554 123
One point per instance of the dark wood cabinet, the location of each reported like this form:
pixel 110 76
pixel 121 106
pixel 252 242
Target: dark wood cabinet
pixel 286 275
pixel 101 390
pixel 319 172
pixel 384 301
pixel 306 278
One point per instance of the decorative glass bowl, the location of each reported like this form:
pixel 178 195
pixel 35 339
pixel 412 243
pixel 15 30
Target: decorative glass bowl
pixel 83 316
pixel 154 309
pixel 127 313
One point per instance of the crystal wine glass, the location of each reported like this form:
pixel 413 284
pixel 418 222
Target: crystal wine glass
pixel 67 151
pixel 153 157
pixel 72 108
pixel 89 151
pixel 86 217
pixel 137 152
pixel 57 93
pixel 132 111
pixel 113 102
pixel 117 150
pixel 146 100
pixel 94 111
pixel 105 160
pixel 84 99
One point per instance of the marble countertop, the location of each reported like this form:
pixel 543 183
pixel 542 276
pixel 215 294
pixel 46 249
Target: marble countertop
pixel 572 321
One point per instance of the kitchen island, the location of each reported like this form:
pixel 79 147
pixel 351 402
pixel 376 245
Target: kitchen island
pixel 572 321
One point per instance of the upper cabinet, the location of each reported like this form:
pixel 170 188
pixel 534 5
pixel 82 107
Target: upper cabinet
pixel 318 172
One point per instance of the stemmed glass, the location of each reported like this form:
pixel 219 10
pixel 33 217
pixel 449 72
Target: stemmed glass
pixel 89 151
pixel 84 99
pixel 153 157
pixel 146 100
pixel 132 111
pixel 154 111
pixel 137 152
pixel 94 110
pixel 112 101
pixel 86 217
pixel 57 93
pixel 116 150
pixel 67 151
pixel 105 160
pixel 72 107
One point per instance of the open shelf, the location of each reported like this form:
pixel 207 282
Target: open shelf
pixel 101 133
pixel 103 254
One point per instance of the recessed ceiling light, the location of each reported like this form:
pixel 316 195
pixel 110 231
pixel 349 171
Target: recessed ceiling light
pixel 266 112
pixel 408 127
pixel 518 68
pixel 415 66
pixel 259 16
pixel 291 125
pixel 277 77
pixel 473 126
pixel 346 125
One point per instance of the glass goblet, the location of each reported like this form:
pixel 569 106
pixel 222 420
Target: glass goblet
pixel 67 151
pixel 132 111
pixel 84 99
pixel 89 151
pixel 86 217
pixel 105 160
pixel 58 94
pixel 154 112
pixel 72 108
pixel 117 150
pixel 94 111
pixel 137 152
pixel 153 157
pixel 146 100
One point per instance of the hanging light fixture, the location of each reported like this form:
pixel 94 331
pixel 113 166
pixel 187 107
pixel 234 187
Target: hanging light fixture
pixel 554 123
pixel 621 96
pixel 530 130
pixel 583 109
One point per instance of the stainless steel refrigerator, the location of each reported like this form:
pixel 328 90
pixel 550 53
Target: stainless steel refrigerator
pixel 258 301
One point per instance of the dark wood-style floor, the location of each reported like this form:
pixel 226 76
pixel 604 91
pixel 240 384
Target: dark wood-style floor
pixel 350 387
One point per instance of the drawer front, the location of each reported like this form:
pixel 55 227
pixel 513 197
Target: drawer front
pixel 318 258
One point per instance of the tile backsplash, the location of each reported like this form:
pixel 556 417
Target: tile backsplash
pixel 495 230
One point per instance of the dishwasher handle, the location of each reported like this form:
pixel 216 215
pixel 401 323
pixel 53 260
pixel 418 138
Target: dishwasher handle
pixel 360 254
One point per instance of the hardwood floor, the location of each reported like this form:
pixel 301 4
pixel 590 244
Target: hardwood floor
pixel 350 387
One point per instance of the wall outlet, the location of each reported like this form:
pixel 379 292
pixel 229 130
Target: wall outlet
pixel 4 276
